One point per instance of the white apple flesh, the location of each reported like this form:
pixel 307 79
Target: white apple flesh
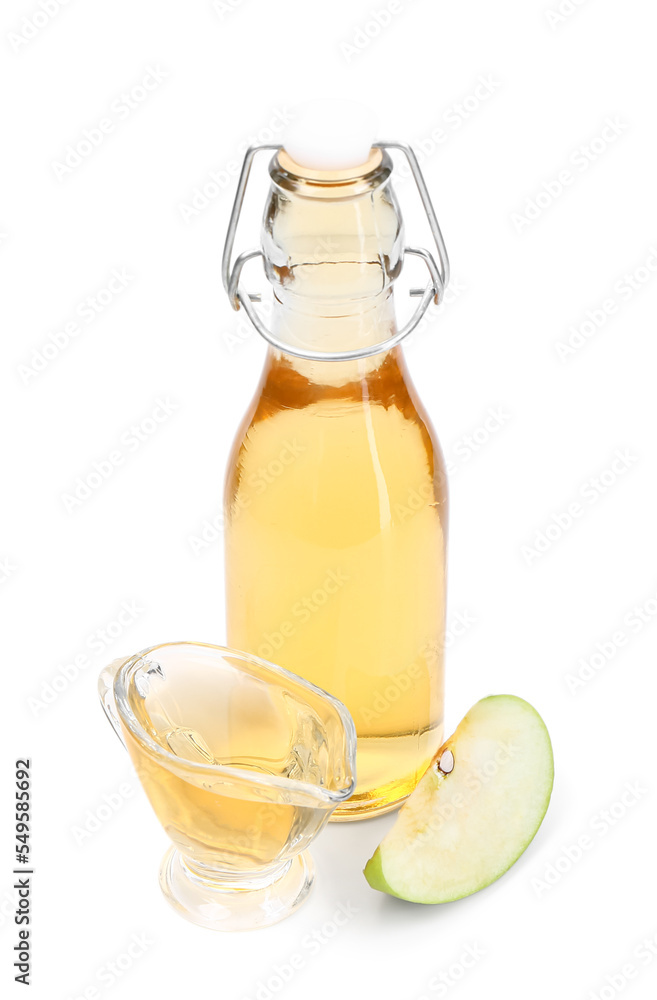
pixel 475 810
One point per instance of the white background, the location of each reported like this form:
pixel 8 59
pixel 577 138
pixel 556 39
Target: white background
pixel 170 334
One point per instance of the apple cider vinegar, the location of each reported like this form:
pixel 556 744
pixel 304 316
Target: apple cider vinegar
pixel 243 763
pixel 335 565
pixel 336 501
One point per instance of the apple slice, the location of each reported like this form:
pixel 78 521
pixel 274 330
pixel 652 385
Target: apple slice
pixel 474 811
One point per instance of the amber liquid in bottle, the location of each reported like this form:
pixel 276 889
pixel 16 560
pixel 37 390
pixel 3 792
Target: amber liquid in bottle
pixel 336 498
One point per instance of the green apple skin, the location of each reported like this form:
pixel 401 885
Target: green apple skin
pixel 459 832
pixel 374 874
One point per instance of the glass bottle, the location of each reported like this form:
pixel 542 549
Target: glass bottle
pixel 336 498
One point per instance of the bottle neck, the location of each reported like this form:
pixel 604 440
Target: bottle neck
pixel 315 325
pixel 332 250
pixel 320 325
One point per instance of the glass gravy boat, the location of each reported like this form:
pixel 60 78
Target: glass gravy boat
pixel 243 763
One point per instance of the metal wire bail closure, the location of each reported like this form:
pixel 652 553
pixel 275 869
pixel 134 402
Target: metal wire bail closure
pixel 239 297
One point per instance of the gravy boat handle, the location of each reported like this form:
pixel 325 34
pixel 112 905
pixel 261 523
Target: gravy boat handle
pixel 107 699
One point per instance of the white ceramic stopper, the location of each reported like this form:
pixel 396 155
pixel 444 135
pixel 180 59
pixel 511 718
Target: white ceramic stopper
pixel 330 134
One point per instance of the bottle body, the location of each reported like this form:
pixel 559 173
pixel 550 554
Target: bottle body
pixel 336 511
pixel 335 500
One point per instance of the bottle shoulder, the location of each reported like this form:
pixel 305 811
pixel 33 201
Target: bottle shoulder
pixel 286 384
pixel 374 416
